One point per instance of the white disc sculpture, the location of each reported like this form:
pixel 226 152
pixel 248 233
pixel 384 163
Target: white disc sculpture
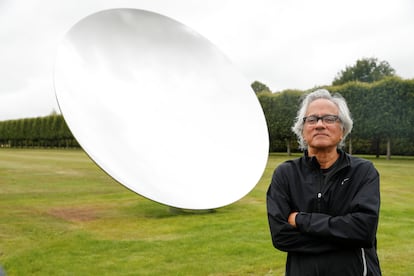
pixel 161 109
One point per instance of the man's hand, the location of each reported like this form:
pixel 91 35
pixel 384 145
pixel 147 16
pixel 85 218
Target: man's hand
pixel 292 219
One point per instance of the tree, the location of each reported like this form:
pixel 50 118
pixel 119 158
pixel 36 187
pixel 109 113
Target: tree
pixel 390 99
pixel 280 111
pixel 259 87
pixel 382 111
pixel 357 97
pixel 365 70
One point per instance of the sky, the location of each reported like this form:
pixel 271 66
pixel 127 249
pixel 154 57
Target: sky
pixel 285 44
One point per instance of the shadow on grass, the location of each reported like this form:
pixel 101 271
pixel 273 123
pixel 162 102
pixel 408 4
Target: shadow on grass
pixel 156 210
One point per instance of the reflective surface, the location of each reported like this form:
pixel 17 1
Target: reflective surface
pixel 161 109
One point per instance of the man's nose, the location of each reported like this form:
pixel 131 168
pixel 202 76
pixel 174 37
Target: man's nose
pixel 320 123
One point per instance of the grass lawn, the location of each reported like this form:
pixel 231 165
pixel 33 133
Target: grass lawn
pixel 61 215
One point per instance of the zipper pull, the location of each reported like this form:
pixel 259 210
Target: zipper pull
pixel 319 201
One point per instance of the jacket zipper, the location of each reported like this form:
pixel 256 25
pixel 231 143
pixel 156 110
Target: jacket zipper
pixel 319 194
pixel 323 182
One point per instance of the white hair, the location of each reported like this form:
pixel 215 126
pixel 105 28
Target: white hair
pixel 344 115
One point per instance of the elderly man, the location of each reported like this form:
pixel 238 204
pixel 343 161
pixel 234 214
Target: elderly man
pixel 323 208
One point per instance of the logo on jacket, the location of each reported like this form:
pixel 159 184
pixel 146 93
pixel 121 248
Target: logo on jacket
pixel 345 180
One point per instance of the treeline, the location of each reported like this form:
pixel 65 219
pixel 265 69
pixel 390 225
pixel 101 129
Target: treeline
pixel 383 114
pixel 41 132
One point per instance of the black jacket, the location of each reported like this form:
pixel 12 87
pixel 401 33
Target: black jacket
pixel 337 220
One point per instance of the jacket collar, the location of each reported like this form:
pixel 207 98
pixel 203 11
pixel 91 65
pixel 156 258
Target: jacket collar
pixel 343 160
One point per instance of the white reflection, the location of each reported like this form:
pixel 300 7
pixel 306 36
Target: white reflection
pixel 161 109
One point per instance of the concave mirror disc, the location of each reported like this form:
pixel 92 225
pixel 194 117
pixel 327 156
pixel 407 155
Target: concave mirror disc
pixel 161 109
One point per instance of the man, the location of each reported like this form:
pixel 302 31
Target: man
pixel 323 208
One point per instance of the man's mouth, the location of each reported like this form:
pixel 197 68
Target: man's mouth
pixel 320 134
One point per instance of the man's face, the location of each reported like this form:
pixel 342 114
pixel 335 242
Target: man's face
pixel 322 135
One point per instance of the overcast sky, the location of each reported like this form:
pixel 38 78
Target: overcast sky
pixel 289 44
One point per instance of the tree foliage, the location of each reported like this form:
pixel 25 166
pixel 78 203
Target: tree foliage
pixel 280 112
pixel 382 111
pixel 365 70
pixel 259 87
pixel 48 131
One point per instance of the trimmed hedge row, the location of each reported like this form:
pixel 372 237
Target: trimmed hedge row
pixel 383 114
pixel 41 132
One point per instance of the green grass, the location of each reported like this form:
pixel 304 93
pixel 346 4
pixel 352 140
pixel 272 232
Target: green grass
pixel 61 215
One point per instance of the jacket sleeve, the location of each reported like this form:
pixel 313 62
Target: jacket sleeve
pixel 284 236
pixel 357 228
